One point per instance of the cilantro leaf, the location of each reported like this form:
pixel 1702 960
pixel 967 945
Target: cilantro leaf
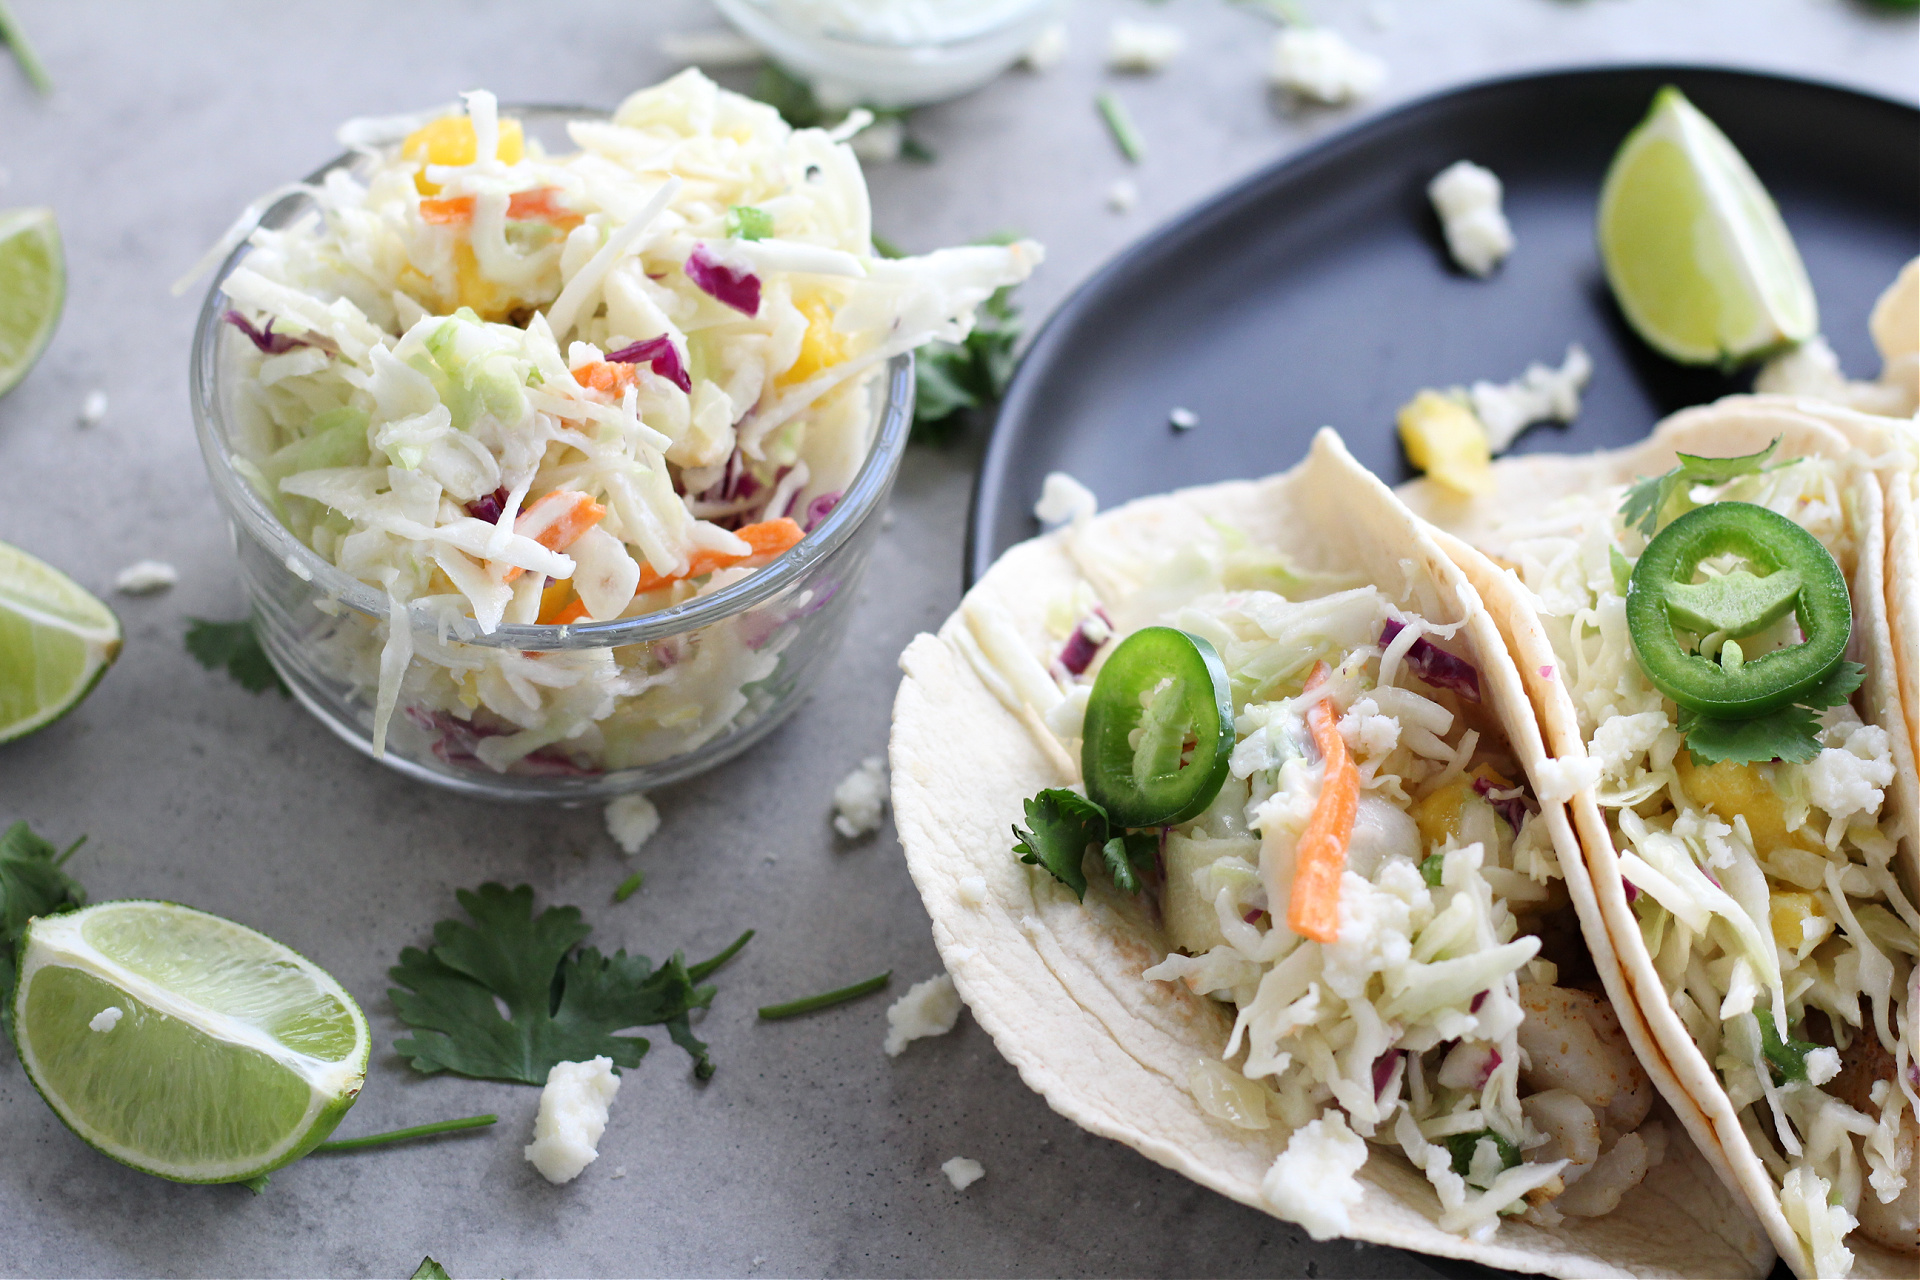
pixel 1792 733
pixel 1648 498
pixel 1063 823
pixel 1787 1058
pixel 563 1005
pixel 1128 854
pixel 749 222
pixel 970 374
pixel 235 646
pixel 788 94
pixel 31 884
pixel 429 1270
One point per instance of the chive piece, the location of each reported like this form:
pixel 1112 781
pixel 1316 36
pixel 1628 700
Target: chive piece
pixel 14 38
pixel 407 1135
pixel 826 999
pixel 629 886
pixel 1125 136
pixel 705 967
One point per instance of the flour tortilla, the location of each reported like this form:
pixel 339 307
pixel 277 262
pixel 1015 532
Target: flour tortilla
pixel 1530 486
pixel 1057 983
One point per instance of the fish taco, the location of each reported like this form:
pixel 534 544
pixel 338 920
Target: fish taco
pixel 1703 623
pixel 1239 836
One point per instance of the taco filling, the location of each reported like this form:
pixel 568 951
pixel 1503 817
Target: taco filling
pixel 1702 623
pixel 1308 781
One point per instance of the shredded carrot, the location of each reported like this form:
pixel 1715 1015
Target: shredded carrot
pixel 605 375
pixel 1314 908
pixel 556 522
pixel 536 205
pixel 768 539
pixel 572 613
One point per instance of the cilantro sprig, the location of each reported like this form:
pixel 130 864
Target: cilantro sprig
pixel 236 647
pixel 1792 733
pixel 32 883
pixel 1062 825
pixel 954 377
pixel 564 1004
pixel 1786 1058
pixel 1649 500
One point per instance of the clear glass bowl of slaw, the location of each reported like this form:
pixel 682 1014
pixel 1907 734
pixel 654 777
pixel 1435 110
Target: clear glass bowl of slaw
pixel 743 655
pixel 901 54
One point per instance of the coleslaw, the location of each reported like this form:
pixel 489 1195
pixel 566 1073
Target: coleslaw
pixel 516 387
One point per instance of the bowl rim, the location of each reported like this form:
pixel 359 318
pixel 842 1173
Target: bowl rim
pixel 251 515
pixel 959 39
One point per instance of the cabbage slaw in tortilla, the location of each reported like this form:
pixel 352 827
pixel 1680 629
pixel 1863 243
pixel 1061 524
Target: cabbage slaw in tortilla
pixel 1444 1064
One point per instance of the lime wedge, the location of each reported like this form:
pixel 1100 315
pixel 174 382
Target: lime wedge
pixel 56 641
pixel 182 1044
pixel 1697 255
pixel 33 286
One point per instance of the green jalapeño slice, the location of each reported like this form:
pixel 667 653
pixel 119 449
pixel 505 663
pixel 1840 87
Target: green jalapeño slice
pixel 1787 571
pixel 1159 729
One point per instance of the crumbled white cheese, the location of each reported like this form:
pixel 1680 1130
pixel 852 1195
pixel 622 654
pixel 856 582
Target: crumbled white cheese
pixel 1620 741
pixel 1312 1181
pixel 1558 779
pixel 1850 778
pixel 1047 48
pixel 107 1018
pixel 1062 498
pixel 1541 394
pixel 1143 46
pixel 1318 64
pixel 861 799
pixel 1122 195
pixel 631 820
pixel 145 577
pixel 1467 198
pixel 717 47
pixel 880 142
pixel 1822 1064
pixel 93 409
pixel 1182 419
pixel 972 891
pixel 929 1008
pixel 573 1115
pixel 1811 369
pixel 962 1172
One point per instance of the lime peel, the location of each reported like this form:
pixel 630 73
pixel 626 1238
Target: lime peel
pixel 56 641
pixel 33 289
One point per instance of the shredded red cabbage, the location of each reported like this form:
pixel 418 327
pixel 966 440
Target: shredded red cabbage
pixel 737 289
pixel 819 509
pixel 1633 890
pixel 1383 1069
pixel 1477 1002
pixel 1513 808
pixel 267 340
pixel 1435 665
pixel 489 506
pixel 1489 1067
pixel 1081 646
pixel 661 354
pixel 457 738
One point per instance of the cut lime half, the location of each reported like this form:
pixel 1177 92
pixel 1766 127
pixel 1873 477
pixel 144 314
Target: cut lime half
pixel 1694 248
pixel 183 1044
pixel 33 287
pixel 56 641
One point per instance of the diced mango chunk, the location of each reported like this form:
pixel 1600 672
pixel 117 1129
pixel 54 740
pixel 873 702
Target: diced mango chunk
pixel 822 348
pixel 1445 440
pixel 490 301
pixel 1730 788
pixel 1441 815
pixel 1786 915
pixel 450 140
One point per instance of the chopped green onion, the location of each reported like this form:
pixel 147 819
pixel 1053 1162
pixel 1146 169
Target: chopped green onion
pixel 826 999
pixel 1125 136
pixel 746 222
pixel 629 886
pixel 407 1135
pixel 14 38
pixel 1433 868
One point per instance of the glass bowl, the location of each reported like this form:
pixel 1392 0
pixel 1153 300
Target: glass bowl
pixel 899 64
pixel 693 685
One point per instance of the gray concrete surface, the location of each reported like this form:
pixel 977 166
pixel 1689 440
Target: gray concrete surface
pixel 810 1152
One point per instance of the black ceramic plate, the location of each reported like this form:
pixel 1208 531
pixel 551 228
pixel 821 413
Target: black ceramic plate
pixel 1319 291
